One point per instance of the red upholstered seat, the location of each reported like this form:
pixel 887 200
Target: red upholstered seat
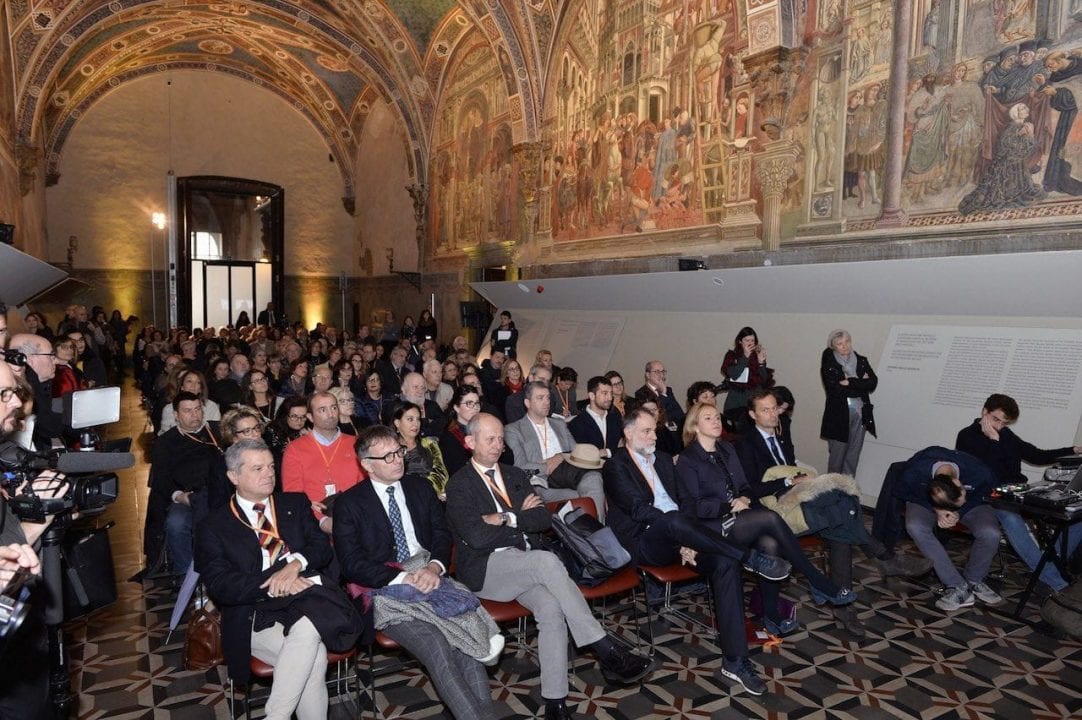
pixel 503 612
pixel 261 669
pixel 384 642
pixel 666 574
pixel 621 581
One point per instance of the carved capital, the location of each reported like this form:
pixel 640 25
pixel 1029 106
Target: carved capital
pixel 419 194
pixel 774 174
pixel 528 158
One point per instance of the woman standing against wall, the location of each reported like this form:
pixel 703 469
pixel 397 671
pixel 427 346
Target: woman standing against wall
pixel 744 369
pixel 848 378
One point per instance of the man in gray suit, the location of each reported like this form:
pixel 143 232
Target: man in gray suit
pixel 539 444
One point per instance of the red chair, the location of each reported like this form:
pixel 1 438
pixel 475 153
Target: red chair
pixel 387 644
pixel 622 581
pixel 345 670
pixel 666 575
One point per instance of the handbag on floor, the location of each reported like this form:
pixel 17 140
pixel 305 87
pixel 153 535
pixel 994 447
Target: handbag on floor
pixel 203 640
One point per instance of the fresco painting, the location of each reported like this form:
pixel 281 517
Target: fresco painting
pixel 475 193
pixel 647 106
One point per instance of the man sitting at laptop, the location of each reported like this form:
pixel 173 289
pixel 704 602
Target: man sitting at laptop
pixel 990 439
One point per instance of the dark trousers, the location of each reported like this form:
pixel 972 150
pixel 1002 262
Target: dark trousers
pixel 719 560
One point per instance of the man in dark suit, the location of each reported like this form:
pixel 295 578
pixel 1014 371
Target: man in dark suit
pixel 515 404
pixel 765 446
pixel 497 521
pixel 641 486
pixel 255 554
pixel 371 521
pixel 433 420
pixel 656 386
pixel 393 370
pixel 598 425
pixel 268 317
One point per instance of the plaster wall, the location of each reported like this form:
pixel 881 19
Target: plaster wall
pixel 113 172
pixel 384 217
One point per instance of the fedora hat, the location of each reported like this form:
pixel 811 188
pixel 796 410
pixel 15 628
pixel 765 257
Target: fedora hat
pixel 584 456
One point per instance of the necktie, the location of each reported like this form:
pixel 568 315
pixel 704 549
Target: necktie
pixel 268 537
pixel 496 485
pixel 402 549
pixel 775 450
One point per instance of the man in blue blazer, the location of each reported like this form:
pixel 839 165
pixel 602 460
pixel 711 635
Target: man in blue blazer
pixel 365 519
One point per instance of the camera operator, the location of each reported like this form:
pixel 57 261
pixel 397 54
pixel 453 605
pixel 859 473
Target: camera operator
pixel 23 694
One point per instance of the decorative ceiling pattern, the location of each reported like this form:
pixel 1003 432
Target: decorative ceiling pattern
pixel 327 58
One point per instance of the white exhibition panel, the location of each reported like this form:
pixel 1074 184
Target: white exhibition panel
pixel 217 294
pixel 933 381
pixel 198 295
pixel 242 292
pixel 263 290
pixel 689 319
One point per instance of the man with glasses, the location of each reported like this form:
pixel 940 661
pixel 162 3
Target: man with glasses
pixel 321 463
pixel 990 439
pixel 380 524
pixel 38 372
pixel 657 382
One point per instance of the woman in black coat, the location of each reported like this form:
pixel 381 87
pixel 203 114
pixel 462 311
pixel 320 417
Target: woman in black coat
pixel 711 487
pixel 848 378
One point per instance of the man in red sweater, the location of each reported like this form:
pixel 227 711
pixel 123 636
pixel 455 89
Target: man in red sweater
pixel 322 462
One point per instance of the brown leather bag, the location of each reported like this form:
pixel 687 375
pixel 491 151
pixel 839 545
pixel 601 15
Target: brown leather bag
pixel 203 640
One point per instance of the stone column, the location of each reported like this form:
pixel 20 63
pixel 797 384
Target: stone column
pixel 774 167
pixel 528 160
pixel 741 221
pixel 893 215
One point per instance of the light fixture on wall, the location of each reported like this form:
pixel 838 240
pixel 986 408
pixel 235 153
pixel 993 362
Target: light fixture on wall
pixel 157 220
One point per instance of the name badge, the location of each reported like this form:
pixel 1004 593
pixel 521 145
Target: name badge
pixel 329 490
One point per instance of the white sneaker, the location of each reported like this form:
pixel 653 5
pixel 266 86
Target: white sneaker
pixel 985 594
pixel 955 598
pixel 495 648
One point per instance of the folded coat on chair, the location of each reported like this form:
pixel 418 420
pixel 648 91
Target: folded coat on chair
pixel 808 494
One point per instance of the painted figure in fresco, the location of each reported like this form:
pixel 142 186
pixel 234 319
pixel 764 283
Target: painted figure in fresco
pixel 708 59
pixel 1062 67
pixel 1012 19
pixel 849 176
pixel 966 116
pixel 883 39
pixel 929 113
pixel 860 55
pixel 1007 183
pixel 665 156
pixel 639 189
pixel 1014 80
pixel 868 157
pixel 825 146
pixel 930 29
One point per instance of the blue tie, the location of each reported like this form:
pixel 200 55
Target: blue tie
pixel 775 450
pixel 402 547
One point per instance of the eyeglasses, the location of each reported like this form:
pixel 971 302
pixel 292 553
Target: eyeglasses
pixel 389 457
pixel 297 417
pixel 471 403
pixel 259 379
pixel 658 372
pixel 6 393
pixel 52 354
pixel 247 431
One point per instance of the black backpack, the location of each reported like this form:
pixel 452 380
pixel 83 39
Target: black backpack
pixel 590 550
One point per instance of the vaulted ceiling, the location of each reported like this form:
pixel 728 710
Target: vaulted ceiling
pixel 330 59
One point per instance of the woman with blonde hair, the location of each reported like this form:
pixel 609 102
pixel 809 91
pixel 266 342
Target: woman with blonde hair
pixel 186 380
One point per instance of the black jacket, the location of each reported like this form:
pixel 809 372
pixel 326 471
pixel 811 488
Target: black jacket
pixel 1004 457
pixel 701 484
pixel 631 502
pixel 836 411
pixel 585 430
pixel 756 459
pixel 468 499
pixel 230 562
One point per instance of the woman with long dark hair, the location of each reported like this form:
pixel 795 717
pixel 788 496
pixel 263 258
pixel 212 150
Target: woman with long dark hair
pixel 744 370
pixel 423 455
pixel 369 406
pixel 465 404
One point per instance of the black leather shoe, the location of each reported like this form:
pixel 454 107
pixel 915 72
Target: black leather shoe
pixel 559 711
pixel 847 619
pixel 624 668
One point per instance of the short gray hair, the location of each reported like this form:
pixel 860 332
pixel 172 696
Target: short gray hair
pixel 534 386
pixel 837 335
pixel 235 454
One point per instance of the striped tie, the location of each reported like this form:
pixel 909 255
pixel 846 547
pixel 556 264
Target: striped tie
pixel 268 538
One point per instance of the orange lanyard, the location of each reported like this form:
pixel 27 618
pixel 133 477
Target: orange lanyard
pixel 212 442
pixel 544 435
pixel 496 489
pixel 327 462
pixel 564 400
pixel 273 532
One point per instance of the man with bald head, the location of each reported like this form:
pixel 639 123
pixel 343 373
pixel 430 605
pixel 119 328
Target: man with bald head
pixel 39 371
pixel 497 521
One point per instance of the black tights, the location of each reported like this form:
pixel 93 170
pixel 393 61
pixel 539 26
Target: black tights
pixel 765 531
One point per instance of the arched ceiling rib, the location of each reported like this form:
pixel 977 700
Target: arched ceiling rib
pixel 324 56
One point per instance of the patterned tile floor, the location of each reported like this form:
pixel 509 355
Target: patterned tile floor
pixel 915 663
